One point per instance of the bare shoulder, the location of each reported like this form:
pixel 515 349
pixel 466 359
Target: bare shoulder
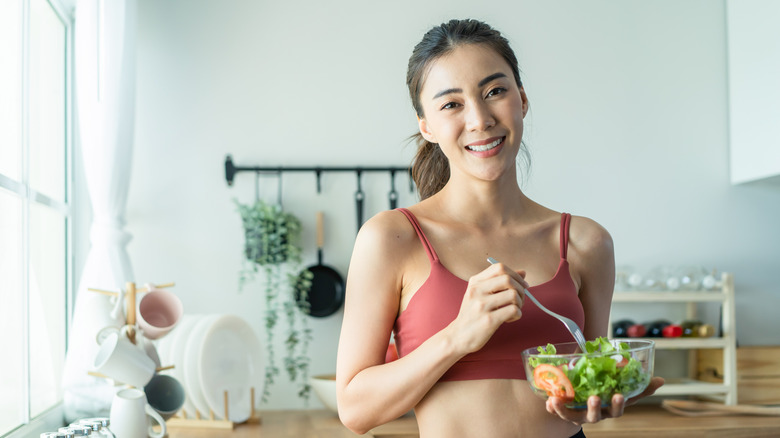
pixel 588 237
pixel 591 250
pixel 378 266
pixel 388 230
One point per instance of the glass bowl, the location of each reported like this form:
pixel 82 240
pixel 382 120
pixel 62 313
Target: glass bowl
pixel 609 367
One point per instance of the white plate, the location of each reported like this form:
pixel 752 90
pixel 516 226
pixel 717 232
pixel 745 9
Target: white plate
pixel 179 338
pixel 192 361
pixel 231 359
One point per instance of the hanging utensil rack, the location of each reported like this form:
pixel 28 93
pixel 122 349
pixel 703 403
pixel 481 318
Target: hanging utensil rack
pixel 231 170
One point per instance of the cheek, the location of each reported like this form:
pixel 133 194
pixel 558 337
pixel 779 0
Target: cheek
pixel 446 129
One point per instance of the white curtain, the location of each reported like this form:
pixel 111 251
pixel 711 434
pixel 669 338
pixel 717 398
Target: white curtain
pixel 105 32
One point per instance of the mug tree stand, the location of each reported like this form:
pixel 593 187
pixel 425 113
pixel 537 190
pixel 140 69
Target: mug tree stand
pixel 180 420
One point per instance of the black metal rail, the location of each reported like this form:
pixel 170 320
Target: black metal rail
pixel 231 170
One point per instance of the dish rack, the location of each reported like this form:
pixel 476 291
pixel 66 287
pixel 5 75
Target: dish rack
pixel 210 422
pixel 201 420
pixel 726 391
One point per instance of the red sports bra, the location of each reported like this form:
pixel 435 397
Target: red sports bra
pixel 438 301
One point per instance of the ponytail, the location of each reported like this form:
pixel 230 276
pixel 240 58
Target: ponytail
pixel 430 168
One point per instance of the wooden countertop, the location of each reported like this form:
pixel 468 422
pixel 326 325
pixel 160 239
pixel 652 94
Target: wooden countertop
pixel 644 421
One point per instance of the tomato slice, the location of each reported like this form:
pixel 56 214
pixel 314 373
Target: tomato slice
pixel 553 381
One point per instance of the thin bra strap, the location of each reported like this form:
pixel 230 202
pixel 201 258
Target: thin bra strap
pixel 427 245
pixel 565 220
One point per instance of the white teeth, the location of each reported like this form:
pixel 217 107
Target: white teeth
pixel 485 147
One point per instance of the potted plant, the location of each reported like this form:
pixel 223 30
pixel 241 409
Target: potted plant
pixel 272 248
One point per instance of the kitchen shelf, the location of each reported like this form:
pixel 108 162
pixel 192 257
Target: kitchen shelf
pixel 726 391
pixel 685 343
pixel 667 297
pixel 681 387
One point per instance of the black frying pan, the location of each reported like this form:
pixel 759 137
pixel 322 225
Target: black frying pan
pixel 326 295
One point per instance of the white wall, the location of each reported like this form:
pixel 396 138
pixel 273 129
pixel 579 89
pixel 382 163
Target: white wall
pixel 628 125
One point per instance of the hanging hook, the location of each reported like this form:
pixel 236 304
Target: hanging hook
pixel 279 189
pixel 359 197
pixel 257 186
pixel 393 195
pixel 318 172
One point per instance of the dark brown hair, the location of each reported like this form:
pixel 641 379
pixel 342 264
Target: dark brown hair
pixel 430 168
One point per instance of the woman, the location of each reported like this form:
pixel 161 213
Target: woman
pixel 460 323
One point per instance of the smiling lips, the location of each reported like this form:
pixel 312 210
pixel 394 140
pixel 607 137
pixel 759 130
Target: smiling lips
pixel 485 147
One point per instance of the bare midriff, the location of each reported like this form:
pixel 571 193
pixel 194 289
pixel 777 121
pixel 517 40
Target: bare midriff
pixel 496 408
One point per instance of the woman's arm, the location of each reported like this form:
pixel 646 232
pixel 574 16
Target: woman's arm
pixel 592 259
pixel 371 392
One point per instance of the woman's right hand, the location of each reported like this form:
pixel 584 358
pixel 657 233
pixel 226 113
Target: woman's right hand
pixel 493 297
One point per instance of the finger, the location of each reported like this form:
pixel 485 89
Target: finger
pixel 560 409
pixel 500 268
pixel 594 409
pixel 503 299
pixel 508 313
pixel 618 405
pixel 524 283
pixel 549 405
pixel 497 285
pixel 504 282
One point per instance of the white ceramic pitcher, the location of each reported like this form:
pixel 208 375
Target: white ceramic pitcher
pixel 130 413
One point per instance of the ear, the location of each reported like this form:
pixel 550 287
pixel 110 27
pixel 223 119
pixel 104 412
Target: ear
pixel 525 101
pixel 426 133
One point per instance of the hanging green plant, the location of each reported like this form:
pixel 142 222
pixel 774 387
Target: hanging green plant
pixel 272 247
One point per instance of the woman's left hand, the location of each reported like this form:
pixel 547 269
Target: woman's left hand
pixel 595 413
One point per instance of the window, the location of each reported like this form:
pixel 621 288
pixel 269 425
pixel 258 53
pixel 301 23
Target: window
pixel 35 145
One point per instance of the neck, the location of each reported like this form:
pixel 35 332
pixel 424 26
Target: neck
pixel 482 203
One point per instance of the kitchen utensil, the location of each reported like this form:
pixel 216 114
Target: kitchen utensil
pixel 231 359
pixel 158 312
pixel 575 375
pixel 359 198
pixel 326 294
pixel 392 195
pixel 570 325
pixel 130 414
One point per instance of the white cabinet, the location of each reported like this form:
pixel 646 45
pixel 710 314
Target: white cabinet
pixel 726 391
pixel 753 39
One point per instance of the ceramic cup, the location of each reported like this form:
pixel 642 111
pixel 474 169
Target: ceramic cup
pixel 158 312
pixel 131 413
pixel 123 361
pixel 143 342
pixel 165 395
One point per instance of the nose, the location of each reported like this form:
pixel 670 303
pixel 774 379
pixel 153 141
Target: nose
pixel 479 117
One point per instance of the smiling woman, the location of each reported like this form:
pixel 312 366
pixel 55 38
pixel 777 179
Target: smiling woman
pixel 421 273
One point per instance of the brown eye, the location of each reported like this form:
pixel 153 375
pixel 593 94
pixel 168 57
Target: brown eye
pixel 496 91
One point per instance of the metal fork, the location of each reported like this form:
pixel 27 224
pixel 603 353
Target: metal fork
pixel 570 325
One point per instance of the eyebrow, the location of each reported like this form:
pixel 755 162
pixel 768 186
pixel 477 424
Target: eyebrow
pixel 480 84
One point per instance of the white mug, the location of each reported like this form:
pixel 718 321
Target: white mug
pixel 143 342
pixel 121 360
pixel 158 312
pixel 130 415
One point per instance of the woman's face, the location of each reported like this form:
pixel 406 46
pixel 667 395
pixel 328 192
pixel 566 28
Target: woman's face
pixel 474 110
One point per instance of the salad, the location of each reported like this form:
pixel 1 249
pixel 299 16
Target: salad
pixel 605 369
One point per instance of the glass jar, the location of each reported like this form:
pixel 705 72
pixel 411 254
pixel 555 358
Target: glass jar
pixel 99 426
pixel 57 435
